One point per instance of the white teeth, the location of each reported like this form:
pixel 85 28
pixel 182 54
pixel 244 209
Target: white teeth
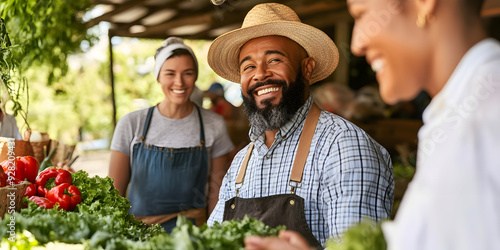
pixel 178 91
pixel 265 91
pixel 378 65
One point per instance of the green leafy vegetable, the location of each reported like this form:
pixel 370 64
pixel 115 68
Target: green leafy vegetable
pixel 102 212
pixel 366 235
pixel 186 236
pixel 101 221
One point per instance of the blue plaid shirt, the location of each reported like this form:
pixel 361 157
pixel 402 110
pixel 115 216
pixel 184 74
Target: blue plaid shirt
pixel 347 175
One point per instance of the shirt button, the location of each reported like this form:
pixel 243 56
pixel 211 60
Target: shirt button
pixel 267 157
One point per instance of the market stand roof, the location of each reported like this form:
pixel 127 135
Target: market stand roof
pixel 200 19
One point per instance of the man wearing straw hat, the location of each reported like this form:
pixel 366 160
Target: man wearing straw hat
pixel 305 168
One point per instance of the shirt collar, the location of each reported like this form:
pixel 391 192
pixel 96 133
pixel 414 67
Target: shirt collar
pixel 287 129
pixel 452 92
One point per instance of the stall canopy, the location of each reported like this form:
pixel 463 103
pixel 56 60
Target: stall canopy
pixel 201 19
pixel 204 19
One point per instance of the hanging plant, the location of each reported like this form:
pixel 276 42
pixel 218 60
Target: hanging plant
pixel 13 86
pixel 34 32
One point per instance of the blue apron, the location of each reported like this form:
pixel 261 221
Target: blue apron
pixel 167 180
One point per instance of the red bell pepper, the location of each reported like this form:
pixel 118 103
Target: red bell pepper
pixel 66 202
pixel 30 167
pixel 22 167
pixel 61 176
pixel 42 202
pixel 31 190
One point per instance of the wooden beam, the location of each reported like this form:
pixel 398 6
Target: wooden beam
pixel 118 9
pixel 316 7
pixel 188 20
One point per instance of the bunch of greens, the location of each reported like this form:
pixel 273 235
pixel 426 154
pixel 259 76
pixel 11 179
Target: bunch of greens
pixel 366 235
pixel 101 221
pixel 186 236
pixel 102 215
pixel 226 235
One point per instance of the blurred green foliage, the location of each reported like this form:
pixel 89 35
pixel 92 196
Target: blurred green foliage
pixel 69 92
pixel 37 33
pixel 79 104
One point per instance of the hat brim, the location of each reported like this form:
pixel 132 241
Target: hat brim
pixel 223 54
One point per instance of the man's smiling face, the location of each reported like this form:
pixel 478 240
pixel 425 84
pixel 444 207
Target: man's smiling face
pixel 265 60
pixel 272 83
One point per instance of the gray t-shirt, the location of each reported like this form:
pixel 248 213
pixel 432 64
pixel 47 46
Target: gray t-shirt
pixel 172 133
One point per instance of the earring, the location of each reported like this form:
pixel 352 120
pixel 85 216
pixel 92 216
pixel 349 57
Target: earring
pixel 421 20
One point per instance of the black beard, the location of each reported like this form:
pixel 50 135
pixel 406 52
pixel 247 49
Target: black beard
pixel 272 118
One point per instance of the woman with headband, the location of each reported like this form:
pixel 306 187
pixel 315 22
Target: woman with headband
pixel 167 154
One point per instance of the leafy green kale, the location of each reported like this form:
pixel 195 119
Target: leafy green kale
pixel 101 221
pixel 102 211
pixel 226 235
pixel 186 236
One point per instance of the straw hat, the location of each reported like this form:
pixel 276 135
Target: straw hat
pixel 270 19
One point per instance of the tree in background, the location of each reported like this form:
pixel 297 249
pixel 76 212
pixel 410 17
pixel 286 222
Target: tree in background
pixel 38 33
pixel 69 92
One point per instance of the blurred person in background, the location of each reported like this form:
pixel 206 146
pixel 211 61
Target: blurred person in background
pixel 219 104
pixel 236 121
pixel 167 154
pixel 441 47
pixel 364 105
pixel 8 126
pixel 334 97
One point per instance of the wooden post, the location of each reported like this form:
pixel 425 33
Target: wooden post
pixel 112 78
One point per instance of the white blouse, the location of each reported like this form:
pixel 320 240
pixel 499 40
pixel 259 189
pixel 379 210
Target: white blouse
pixel 453 202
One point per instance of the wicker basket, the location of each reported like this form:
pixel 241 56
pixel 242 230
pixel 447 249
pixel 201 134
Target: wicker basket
pixel 40 150
pixel 21 148
pixel 12 197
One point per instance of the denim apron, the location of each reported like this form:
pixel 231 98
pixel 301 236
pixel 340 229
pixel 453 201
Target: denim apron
pixel 281 209
pixel 167 180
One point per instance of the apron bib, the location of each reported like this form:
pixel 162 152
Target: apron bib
pixel 167 180
pixel 282 209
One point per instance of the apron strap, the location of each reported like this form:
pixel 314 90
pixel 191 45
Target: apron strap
pixel 304 147
pixel 202 130
pixel 243 169
pixel 300 157
pixel 146 123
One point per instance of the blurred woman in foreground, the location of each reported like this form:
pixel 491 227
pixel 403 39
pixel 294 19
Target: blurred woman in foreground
pixel 441 47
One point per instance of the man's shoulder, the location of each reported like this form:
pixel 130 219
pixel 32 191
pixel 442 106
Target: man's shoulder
pixel 337 123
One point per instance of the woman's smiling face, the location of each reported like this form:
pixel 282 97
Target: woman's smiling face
pixel 177 78
pixel 385 31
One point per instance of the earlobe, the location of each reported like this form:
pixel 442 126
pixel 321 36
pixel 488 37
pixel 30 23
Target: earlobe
pixel 426 8
pixel 308 65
